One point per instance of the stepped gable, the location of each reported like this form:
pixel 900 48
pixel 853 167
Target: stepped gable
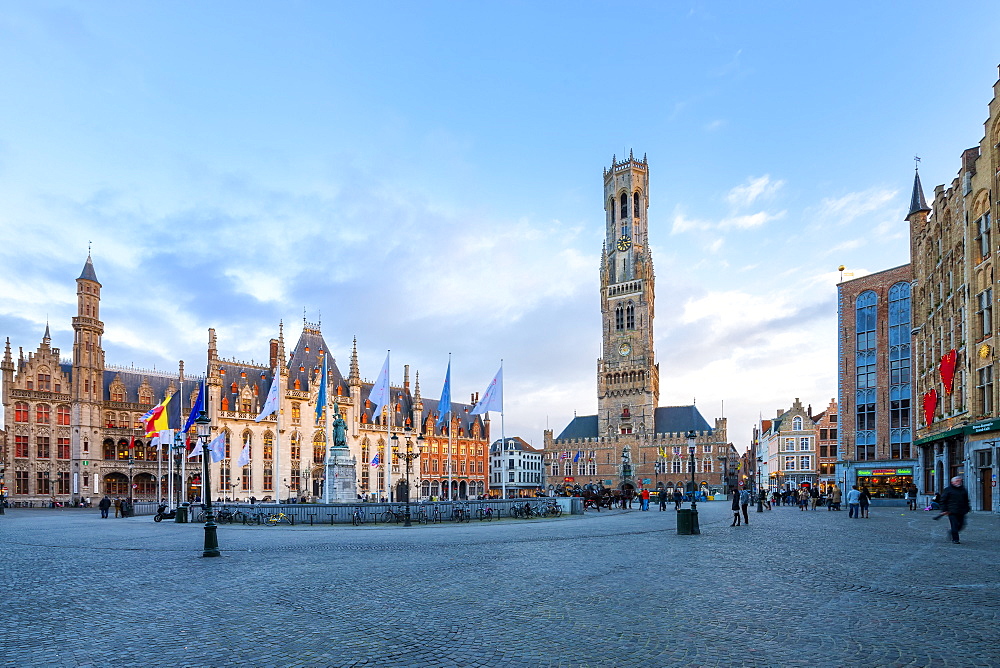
pixel 159 383
pixel 305 362
pixel 235 376
pixel 459 411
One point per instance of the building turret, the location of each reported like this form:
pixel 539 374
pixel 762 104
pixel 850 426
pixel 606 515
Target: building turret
pixel 917 217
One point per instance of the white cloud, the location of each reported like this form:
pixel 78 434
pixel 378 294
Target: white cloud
pixel 843 210
pixel 756 188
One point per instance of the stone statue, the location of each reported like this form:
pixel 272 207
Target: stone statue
pixel 339 431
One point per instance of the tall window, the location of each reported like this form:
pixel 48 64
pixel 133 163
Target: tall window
pixel 62 415
pixel 42 444
pixel 865 318
pixel 985 389
pixel 900 435
pixel 797 424
pixel 62 448
pixel 983 235
pixel 984 312
pixel 43 414
pixel 319 447
pixel 21 411
pixel 630 316
pixel 619 317
pixel 21 445
pixel 635 204
pixel 624 203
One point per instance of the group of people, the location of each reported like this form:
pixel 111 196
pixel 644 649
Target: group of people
pixel 123 507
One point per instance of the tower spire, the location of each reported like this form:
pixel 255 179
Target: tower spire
pixel 917 202
pixel 355 373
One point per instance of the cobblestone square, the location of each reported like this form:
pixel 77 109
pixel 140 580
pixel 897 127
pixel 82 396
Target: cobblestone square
pixel 617 588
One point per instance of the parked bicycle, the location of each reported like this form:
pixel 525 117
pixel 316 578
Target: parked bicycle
pixel 552 508
pixel 460 513
pixel 391 515
pixel 358 517
pixel 277 518
pixel 485 514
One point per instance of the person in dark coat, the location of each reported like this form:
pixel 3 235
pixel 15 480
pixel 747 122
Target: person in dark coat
pixel 955 504
pixel 736 510
pixel 662 498
pixel 678 498
pixel 104 505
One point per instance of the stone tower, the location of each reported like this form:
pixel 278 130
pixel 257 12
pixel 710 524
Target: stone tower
pixel 88 372
pixel 628 377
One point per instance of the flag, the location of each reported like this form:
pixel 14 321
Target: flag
pixel 244 459
pixel 271 403
pixel 217 448
pixel 576 457
pixel 131 443
pixel 193 452
pixel 375 461
pixel 199 405
pixel 155 441
pixel 493 397
pixel 379 395
pixel 564 455
pixel 321 397
pixel 156 418
pixel 444 405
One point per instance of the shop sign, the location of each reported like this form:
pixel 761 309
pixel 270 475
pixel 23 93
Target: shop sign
pixel 982 427
pixel 646 481
pixel 883 472
pixel 569 479
pixel 607 483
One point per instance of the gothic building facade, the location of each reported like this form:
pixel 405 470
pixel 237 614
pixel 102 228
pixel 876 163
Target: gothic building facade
pixel 73 426
pixel 633 441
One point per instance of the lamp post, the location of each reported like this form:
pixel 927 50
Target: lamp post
pixel 409 456
pixel 691 438
pixel 760 492
pixel 204 426
pixel 3 488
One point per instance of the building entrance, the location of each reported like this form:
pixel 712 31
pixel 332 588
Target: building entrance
pixel 986 488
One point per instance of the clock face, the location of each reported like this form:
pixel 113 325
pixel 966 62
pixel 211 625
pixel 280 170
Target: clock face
pixel 624 243
pixel 625 349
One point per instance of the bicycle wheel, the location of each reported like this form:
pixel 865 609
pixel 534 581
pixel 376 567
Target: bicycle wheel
pixel 201 517
pixel 240 516
pixel 557 511
pixel 489 515
pixel 356 519
pixel 481 514
pixel 271 520
pixel 388 516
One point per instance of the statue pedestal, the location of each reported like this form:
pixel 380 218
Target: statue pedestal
pixel 341 477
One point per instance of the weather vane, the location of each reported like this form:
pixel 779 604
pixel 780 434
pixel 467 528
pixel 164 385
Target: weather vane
pixel 916 162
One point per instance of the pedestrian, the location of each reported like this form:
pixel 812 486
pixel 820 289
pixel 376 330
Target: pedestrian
pixel 662 498
pixel 955 504
pixel 645 499
pixel 835 497
pixel 803 498
pixel 104 505
pixel 911 497
pixel 866 501
pixel 814 498
pixel 854 502
pixel 736 510
pixel 118 506
pixel 678 499
pixel 744 504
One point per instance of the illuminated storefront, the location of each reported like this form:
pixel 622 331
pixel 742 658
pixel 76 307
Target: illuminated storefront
pixel 886 483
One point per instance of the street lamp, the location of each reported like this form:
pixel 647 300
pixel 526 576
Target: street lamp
pixel 3 488
pixel 204 426
pixel 409 456
pixel 760 492
pixel 691 438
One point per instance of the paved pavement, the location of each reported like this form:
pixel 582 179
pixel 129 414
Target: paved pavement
pixel 616 588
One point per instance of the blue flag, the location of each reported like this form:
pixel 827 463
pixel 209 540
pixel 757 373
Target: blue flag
pixel 199 405
pixel 576 457
pixel 444 406
pixel 321 398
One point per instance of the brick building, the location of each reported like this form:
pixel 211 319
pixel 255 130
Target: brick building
pixel 874 383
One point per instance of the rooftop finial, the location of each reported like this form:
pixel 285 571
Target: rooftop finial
pixel 916 163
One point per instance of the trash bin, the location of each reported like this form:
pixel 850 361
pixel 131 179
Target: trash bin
pixel 182 513
pixel 684 522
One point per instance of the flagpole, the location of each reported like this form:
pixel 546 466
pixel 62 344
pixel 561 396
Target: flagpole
pixel 276 477
pixel 450 418
pixel 503 476
pixel 180 418
pixel 388 432
pixel 328 497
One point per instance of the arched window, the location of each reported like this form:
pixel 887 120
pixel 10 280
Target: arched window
pixel 268 445
pixel 319 447
pixel 296 447
pixel 865 379
pixel 797 424
pixel 865 320
pixel 635 204
pixel 900 435
pixel 624 204
pixel 619 318
pixel 229 437
pixel 611 208
pixel 630 316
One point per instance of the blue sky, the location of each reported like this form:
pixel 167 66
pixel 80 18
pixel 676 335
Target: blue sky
pixel 427 176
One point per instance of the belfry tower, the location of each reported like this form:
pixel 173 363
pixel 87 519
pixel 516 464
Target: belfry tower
pixel 628 377
pixel 88 372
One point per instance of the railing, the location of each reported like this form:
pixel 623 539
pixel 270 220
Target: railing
pixel 341 513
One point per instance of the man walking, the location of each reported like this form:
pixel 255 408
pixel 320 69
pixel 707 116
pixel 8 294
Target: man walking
pixel 104 505
pixel 854 502
pixel 744 503
pixel 645 499
pixel 955 504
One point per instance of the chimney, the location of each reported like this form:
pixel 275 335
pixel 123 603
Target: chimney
pixel 406 377
pixel 273 357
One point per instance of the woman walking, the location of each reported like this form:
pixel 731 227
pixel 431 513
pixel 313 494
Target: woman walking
pixel 866 500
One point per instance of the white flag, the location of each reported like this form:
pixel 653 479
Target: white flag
pixel 493 396
pixel 271 403
pixel 244 459
pixel 195 451
pixel 217 447
pixel 380 391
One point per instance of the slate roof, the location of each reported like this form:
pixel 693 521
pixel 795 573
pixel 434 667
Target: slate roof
pixel 666 420
pixel 88 271
pixel 305 361
pixel 917 201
